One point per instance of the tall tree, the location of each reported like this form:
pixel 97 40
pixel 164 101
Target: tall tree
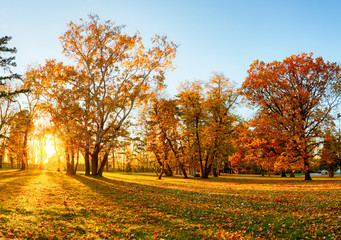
pixel 299 94
pixel 330 151
pixel 164 134
pixel 17 140
pixel 193 112
pixel 220 102
pixel 112 73
pixel 6 64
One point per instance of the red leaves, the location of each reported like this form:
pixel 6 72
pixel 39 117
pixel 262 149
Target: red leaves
pixel 295 97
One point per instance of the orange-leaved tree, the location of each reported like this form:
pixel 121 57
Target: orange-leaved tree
pixel 258 142
pixel 331 151
pixel 162 133
pixel 299 94
pixel 112 72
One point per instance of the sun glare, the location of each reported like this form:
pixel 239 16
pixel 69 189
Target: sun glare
pixel 49 148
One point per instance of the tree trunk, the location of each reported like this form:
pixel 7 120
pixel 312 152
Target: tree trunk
pixel 87 160
pixel 1 161
pixel 103 163
pixel 306 169
pixel 262 172
pixel 23 164
pixel 25 160
pixel 183 170
pixel 94 161
pixel 69 167
pixel 168 171
pixel 207 171
pixel 331 171
pixel 77 161
pixel 162 171
pixel 292 174
pixel 283 173
pixel 113 161
pixel 215 172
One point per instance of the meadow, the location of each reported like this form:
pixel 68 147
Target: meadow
pixel 52 205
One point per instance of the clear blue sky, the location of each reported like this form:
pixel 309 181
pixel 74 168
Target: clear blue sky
pixel 222 36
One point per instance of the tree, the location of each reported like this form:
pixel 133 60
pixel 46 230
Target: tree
pixel 18 137
pixel 330 151
pixel 112 73
pixel 298 94
pixel 260 143
pixel 194 115
pixel 6 64
pixel 221 100
pixel 6 114
pixel 208 122
pixel 164 134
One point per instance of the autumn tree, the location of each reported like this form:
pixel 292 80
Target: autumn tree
pixel 298 94
pixel 6 92
pixel 111 74
pixel 220 102
pixel 258 142
pixel 163 134
pixel 6 114
pixel 330 151
pixel 17 136
pixel 193 114
pixel 206 111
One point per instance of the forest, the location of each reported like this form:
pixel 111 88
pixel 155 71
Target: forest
pixel 106 109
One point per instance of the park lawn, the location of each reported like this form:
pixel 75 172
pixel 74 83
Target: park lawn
pixel 52 205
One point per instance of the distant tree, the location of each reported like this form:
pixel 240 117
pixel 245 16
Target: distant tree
pixel 163 133
pixel 299 94
pixel 330 152
pixel 259 142
pixel 220 102
pixel 18 138
pixel 193 112
pixel 6 64
pixel 206 112
pixel 6 114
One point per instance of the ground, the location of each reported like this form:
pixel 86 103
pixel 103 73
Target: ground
pixel 52 205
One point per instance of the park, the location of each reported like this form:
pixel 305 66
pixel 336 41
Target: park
pixel 52 205
pixel 169 128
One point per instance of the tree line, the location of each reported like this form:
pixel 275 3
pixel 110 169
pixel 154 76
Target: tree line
pixel 90 104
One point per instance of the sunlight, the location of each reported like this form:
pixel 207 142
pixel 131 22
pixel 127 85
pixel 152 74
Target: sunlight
pixel 49 148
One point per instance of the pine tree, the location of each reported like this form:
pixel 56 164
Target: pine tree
pixel 5 65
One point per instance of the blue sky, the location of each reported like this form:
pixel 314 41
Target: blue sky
pixel 221 36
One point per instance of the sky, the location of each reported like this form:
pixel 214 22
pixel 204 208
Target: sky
pixel 213 35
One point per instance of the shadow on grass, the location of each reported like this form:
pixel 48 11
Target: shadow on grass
pixel 147 209
pixel 193 215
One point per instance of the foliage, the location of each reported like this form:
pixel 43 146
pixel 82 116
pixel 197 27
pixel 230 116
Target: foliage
pixel 330 151
pixel 208 121
pixel 298 95
pixel 5 66
pixel 91 101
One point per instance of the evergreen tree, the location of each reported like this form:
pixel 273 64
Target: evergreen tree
pixel 5 65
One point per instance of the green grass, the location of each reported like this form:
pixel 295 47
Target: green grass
pixel 52 205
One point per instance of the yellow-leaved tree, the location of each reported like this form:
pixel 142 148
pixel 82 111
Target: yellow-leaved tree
pixel 112 72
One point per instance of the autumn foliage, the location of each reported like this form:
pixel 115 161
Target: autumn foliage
pixel 91 102
pixel 296 97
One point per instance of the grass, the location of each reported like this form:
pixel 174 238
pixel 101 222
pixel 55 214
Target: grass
pixel 52 205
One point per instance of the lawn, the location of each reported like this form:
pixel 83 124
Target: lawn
pixel 52 205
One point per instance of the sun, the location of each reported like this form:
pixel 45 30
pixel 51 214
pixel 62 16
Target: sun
pixel 49 149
